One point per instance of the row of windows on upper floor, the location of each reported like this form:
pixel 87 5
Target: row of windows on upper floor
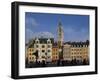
pixel 55 50
pixel 54 54
pixel 31 58
pixel 85 52
pixel 75 49
pixel 79 45
pixel 73 57
pixel 43 46
pixel 49 46
pixel 43 51
pixel 55 57
pixel 37 41
pixel 37 46
pixel 76 52
pixel 65 51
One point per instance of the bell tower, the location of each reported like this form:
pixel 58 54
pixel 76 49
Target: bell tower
pixel 60 40
pixel 60 35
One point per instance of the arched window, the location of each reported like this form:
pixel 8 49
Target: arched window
pixel 37 41
pixel 43 51
pixel 49 46
pixel 49 50
pixel 37 46
pixel 43 46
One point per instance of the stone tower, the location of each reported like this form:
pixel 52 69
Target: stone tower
pixel 60 35
pixel 60 40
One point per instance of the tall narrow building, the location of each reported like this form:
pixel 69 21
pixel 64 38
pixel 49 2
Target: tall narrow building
pixel 60 34
pixel 60 40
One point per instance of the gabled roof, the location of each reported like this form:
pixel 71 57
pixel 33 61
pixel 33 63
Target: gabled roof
pixel 41 41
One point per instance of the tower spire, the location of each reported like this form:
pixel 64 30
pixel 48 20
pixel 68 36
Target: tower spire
pixel 59 22
pixel 60 34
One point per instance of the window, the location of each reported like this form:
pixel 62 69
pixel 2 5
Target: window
pixel 32 49
pixel 43 51
pixel 56 57
pixel 48 56
pixel 32 57
pixel 48 50
pixel 37 46
pixel 37 41
pixel 49 46
pixel 48 42
pixel 43 46
pixel 43 56
pixel 56 49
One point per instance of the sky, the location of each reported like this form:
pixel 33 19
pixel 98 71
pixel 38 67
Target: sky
pixel 76 27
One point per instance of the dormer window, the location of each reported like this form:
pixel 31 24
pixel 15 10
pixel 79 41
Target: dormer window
pixel 48 41
pixel 37 41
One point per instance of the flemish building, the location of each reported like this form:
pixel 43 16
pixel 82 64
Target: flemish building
pixel 76 50
pixel 30 56
pixel 41 45
pixel 55 52
pixel 44 48
pixel 66 52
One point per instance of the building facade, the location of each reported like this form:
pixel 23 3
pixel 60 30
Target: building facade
pixel 67 52
pixel 43 47
pixel 76 51
pixel 30 56
pixel 55 52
